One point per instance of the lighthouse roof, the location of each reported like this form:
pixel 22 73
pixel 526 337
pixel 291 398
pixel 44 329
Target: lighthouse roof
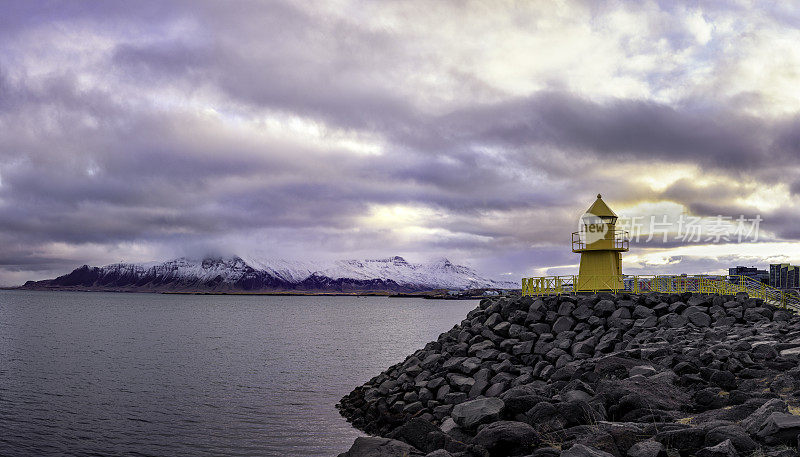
pixel 599 208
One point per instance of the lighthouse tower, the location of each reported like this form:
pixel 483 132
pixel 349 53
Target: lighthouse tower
pixel 601 246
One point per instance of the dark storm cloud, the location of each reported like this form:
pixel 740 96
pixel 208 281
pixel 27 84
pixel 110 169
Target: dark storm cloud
pixel 621 129
pixel 113 146
pixel 629 129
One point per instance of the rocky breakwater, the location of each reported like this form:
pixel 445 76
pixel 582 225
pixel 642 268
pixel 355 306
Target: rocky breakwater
pixel 603 375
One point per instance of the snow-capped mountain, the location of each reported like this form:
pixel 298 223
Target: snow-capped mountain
pixel 238 274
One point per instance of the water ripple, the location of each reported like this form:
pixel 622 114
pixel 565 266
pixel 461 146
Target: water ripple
pixel 170 375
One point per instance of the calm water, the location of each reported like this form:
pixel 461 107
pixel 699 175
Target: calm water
pixel 147 374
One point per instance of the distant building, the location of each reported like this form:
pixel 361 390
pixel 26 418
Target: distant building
pixel 784 276
pixel 774 274
pixel 751 272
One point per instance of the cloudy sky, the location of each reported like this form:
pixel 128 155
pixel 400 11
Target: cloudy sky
pixel 481 131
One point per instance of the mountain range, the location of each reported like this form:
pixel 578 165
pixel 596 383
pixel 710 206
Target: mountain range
pixel 235 274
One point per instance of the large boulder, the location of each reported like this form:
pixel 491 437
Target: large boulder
pixel 638 392
pixel 780 428
pixel 521 404
pixel 700 319
pixel 733 433
pixel 723 449
pixel 753 423
pixel 648 448
pixel 545 417
pixel 505 438
pixel 419 433
pixel 373 446
pixel 687 440
pixel 563 324
pixel 723 379
pixel 604 308
pixel 460 382
pixel 472 413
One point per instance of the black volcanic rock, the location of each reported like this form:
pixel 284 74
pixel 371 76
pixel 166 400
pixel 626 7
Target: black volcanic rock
pixel 503 438
pixel 372 446
pixel 604 374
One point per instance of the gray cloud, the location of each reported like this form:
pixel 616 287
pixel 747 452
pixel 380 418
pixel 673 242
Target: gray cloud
pixel 170 128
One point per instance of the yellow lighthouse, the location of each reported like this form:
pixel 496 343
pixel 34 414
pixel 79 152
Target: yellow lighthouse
pixel 601 246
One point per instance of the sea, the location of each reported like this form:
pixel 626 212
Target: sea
pixel 131 374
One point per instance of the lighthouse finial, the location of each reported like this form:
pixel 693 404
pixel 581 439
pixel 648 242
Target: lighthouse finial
pixel 599 196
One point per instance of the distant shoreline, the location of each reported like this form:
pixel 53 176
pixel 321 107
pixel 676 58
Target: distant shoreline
pixel 425 295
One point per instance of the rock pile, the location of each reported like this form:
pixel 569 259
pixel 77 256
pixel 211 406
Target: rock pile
pixel 589 376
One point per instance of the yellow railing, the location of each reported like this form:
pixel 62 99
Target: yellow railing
pixel 703 284
pixel 619 240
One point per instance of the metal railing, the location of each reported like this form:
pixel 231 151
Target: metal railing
pixel 616 240
pixel 703 284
